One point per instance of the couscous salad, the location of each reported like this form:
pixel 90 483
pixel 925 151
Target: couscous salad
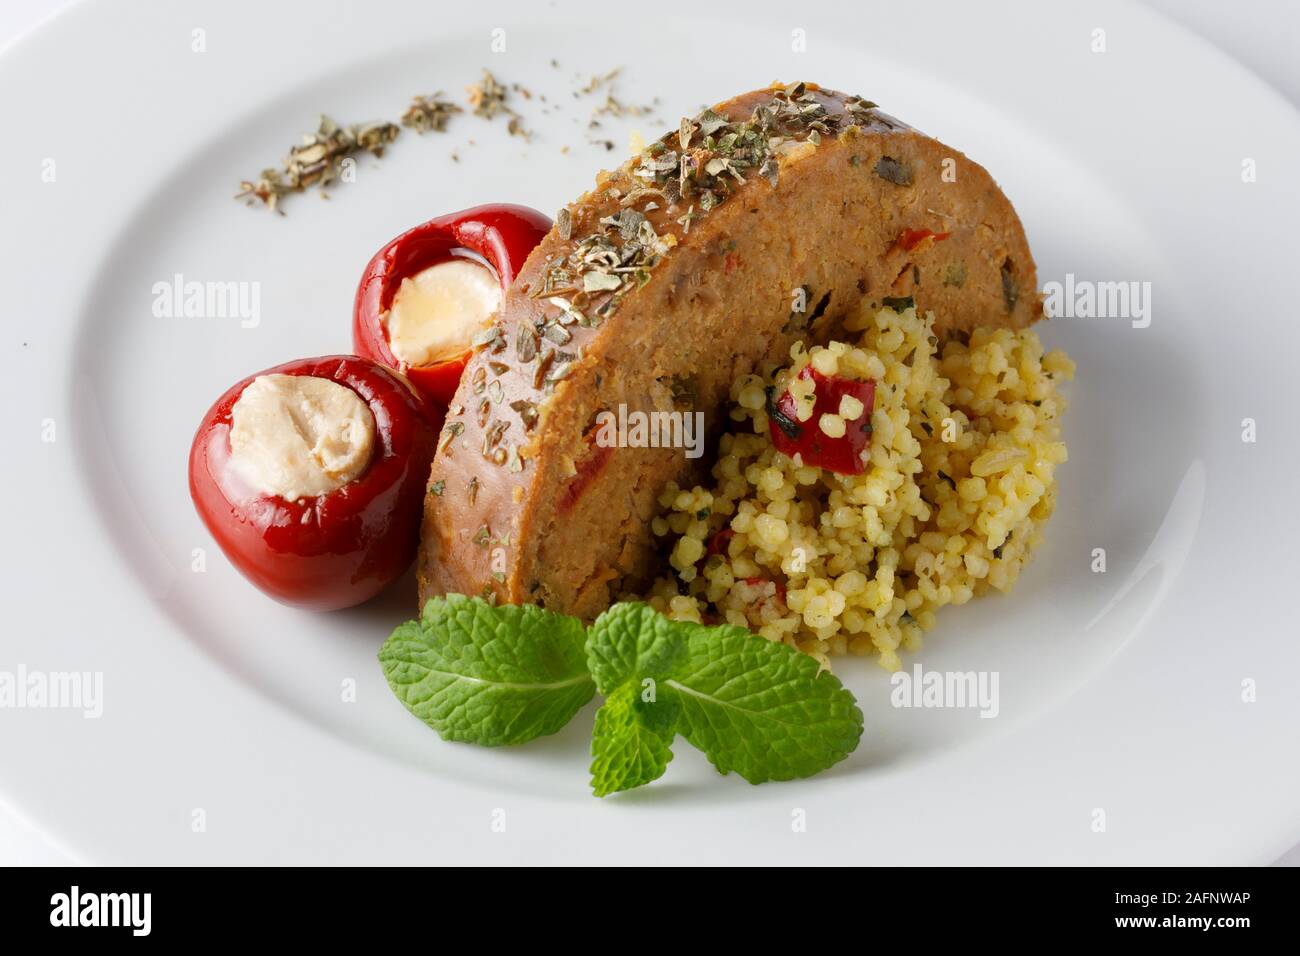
pixel 933 495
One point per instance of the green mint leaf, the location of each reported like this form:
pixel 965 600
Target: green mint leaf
pixel 761 708
pixel 631 641
pixel 488 675
pixel 630 650
pixel 632 742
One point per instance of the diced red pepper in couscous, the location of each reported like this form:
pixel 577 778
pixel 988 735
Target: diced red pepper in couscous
pixel 837 432
pixel 759 582
pixel 718 543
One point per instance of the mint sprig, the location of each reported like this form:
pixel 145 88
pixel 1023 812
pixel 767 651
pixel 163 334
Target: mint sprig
pixel 489 675
pixel 630 649
pixel 632 641
pixel 502 675
pixel 632 742
pixel 751 705
pixel 761 708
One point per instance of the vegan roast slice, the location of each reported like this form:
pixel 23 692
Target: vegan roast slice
pixel 759 222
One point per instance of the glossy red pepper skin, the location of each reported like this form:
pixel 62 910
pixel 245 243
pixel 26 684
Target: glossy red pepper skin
pixel 341 548
pixel 503 235
pixel 815 448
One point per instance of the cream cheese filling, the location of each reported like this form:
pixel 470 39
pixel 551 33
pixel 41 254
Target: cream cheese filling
pixel 299 436
pixel 436 312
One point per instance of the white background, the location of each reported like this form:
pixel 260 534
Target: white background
pixel 1258 33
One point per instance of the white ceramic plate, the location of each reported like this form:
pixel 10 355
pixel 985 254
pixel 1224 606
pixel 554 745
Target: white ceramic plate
pixel 1121 692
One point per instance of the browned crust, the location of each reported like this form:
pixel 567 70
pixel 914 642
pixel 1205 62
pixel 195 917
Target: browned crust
pixel 492 523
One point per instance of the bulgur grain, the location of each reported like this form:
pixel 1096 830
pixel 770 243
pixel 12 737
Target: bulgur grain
pixel 959 479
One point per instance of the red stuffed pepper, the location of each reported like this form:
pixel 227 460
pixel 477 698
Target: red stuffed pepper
pixel 426 294
pixel 311 477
